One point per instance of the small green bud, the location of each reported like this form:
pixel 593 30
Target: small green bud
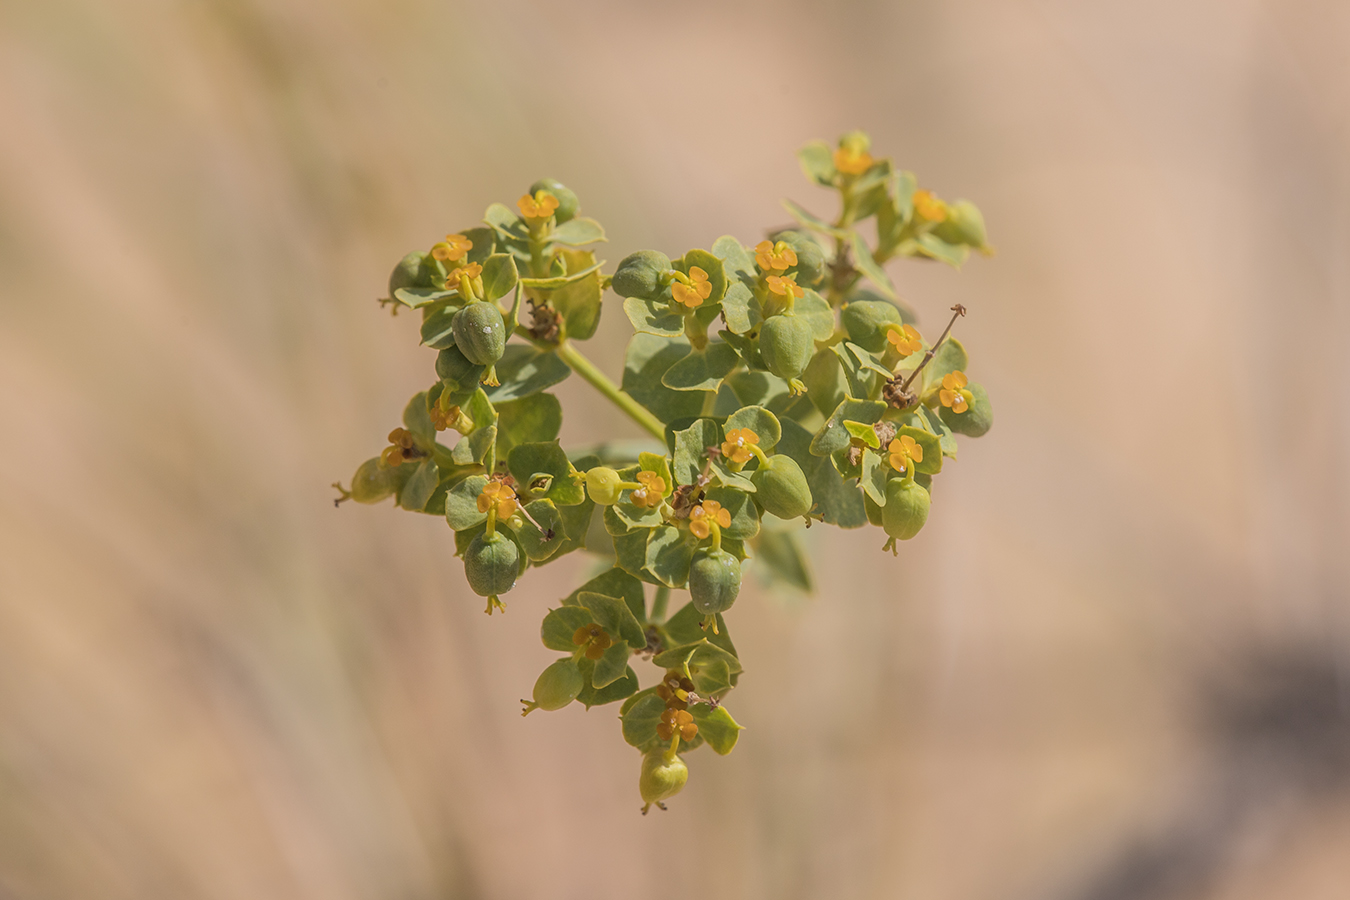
pixel 865 322
pixel 373 482
pixel 639 275
pixel 491 564
pixel 787 345
pixel 906 508
pixel 409 273
pixel 855 142
pixel 480 333
pixel 975 421
pixel 567 201
pixel 661 778
pixel 558 685
pixel 964 225
pixel 456 371
pixel 810 266
pixel 781 488
pixel 602 485
pixel 714 581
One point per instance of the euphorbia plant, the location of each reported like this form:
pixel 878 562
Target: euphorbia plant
pixel 780 381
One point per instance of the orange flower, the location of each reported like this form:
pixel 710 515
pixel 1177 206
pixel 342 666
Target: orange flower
pixel 673 720
pixel 499 496
pixel 787 287
pixel 695 292
pixel 773 257
pixel 928 206
pixel 594 638
pixel 705 515
pixel 652 491
pixel 540 206
pixel 401 449
pixel 737 445
pixel 905 340
pixel 954 393
pixel 904 450
pixel 454 248
pixel 852 161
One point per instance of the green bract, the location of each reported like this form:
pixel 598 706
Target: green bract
pixel 763 379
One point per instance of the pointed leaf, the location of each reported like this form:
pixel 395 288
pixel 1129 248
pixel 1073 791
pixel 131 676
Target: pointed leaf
pixel 817 161
pixel 523 371
pixel 833 435
pixel 702 370
pixel 613 615
pixel 578 232
pixel 560 624
pixel 862 258
pixel 718 729
pixel 763 423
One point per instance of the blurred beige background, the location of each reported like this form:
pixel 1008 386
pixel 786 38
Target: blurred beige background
pixel 1112 667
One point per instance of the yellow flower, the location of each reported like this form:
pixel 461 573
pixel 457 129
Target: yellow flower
pixel 905 340
pixel 540 206
pixel 928 206
pixel 954 393
pixel 773 257
pixel 673 720
pixel 454 248
pixel 695 292
pixel 500 496
pixel 401 449
pixel 472 270
pixel 852 161
pixel 787 287
pixel 675 690
pixel 737 445
pixel 702 517
pixel 594 638
pixel 904 450
pixel 652 490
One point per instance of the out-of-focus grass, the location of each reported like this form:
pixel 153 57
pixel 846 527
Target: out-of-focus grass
pixel 213 684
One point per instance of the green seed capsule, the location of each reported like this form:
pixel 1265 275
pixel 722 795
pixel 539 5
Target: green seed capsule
pixel 602 485
pixel 373 482
pixel 781 488
pixel 456 372
pixel 906 508
pixel 558 685
pixel 639 275
pixel 714 581
pixel 491 564
pixel 964 225
pixel 661 778
pixel 787 345
pixel 865 322
pixel 567 201
pixel 480 333
pixel 977 418
pixel 409 273
pixel 810 266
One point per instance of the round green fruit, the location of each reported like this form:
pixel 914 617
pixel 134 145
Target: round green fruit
pixel 714 581
pixel 603 485
pixel 456 371
pixel 491 564
pixel 661 778
pixel 781 488
pixel 408 273
pixel 558 685
pixel 373 482
pixel 480 333
pixel 639 274
pixel 787 345
pixel 866 321
pixel 567 201
pixel 964 225
pixel 906 508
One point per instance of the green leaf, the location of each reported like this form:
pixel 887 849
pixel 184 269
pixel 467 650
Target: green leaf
pixel 419 297
pixel 865 433
pixel 640 721
pixel 744 513
pixel 837 501
pixel 740 265
pixel 614 583
pixel 560 624
pixel 946 440
pixel 862 258
pixel 613 615
pixel 875 468
pixel 616 690
pixel 541 533
pixel 577 232
pixel 834 436
pixel 690 448
pixel 634 516
pixel 653 317
pixel 781 556
pixel 723 475
pixel 824 380
pixel 717 275
pixel 670 552
pixel 436 332
pixel 817 160
pixel 537 417
pixel 578 301
pixel 499 276
pixel 610 667
pixel 814 309
pixel 461 503
pixel 686 627
pixel 645 364
pixel 505 222
pixel 934 247
pixel 630 549
pixel 417 419
pixel 858 382
pixel 701 653
pixel 950 357
pixel 419 488
pixel 483 240
pixel 810 220
pixel 763 423
pixel 524 371
pixel 932 450
pixel 542 470
pixel 702 370
pixel 473 447
pixel 557 281
pixel 738 309
pixel 655 462
pixel 718 729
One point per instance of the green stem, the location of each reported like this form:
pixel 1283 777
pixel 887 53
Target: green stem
pixel 598 380
pixel 659 604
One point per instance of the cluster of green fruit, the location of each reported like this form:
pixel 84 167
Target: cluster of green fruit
pixel 814 398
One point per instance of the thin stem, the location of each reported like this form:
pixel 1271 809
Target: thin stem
pixel 598 380
pixel 659 604
pixel 957 312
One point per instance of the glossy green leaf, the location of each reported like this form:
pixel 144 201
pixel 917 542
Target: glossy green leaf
pixel 814 309
pixel 461 503
pixel 718 728
pixel 865 433
pixel 744 513
pixel 690 449
pixel 474 447
pixel 670 551
pixel 702 370
pixel 658 317
pixel 578 302
pixel 541 532
pixel 614 583
pixel 623 687
pixel 640 721
pixel 824 380
pixel 740 265
pixel 499 276
pixel 737 308
pixel 537 417
pixel 560 624
pixel 611 666
pixel 685 627
pixel 763 423
pixel 613 615
pixel 577 232
pixel 417 419
pixel 419 488
pixel 436 332
pixel 931 463
pixel 542 470
pixel 833 435
pixel 415 298
pixel 946 440
pixel 505 222
pixel 875 470
pixel 836 500
pixel 524 371
pixel 645 364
